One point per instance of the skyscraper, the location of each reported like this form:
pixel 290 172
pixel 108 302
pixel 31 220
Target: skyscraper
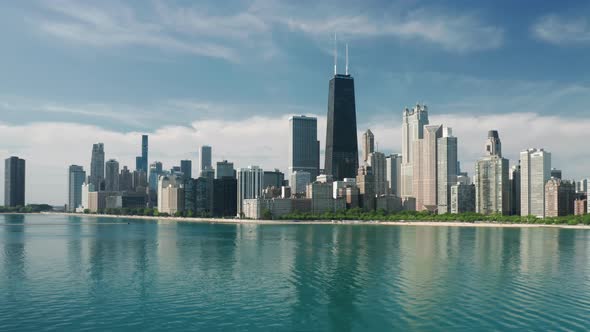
pixel 14 182
pixel 304 147
pixel 225 169
pixel 413 123
pixel 76 178
pixel 250 185
pixel 515 190
pixel 368 144
pixel 394 169
pixel 111 175
pixel 144 153
pixel 535 171
pixel 424 165
pixel 97 166
pixel 379 170
pixel 156 170
pixel 341 136
pixel 559 197
pixel 492 182
pixel 446 169
pixel 205 157
pixel 186 167
pixel 125 179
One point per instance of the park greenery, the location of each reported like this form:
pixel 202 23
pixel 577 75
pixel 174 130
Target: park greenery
pixel 30 208
pixel 409 216
pixel 150 212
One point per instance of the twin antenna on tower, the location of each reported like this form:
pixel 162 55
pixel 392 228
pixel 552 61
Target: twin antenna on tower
pixel 336 55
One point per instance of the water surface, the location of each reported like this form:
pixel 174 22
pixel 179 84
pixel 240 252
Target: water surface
pixel 98 274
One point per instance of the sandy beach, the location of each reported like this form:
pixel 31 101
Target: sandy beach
pixel 325 222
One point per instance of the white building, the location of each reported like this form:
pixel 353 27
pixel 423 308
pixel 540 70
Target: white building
pixel 535 171
pixel 250 185
pixel 413 123
pixel 170 194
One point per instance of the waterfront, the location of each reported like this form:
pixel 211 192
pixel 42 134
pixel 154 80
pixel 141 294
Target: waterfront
pixel 93 273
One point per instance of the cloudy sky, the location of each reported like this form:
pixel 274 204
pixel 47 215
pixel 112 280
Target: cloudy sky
pixel 229 74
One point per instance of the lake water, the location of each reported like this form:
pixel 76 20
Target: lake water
pixel 104 274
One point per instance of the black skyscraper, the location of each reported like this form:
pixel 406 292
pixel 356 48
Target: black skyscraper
pixel 341 137
pixel 14 182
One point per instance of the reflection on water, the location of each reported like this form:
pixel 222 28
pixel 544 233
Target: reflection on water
pixel 107 274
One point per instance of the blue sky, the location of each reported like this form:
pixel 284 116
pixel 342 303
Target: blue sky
pixel 173 68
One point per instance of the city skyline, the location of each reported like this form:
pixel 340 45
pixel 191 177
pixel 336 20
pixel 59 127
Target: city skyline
pixel 504 95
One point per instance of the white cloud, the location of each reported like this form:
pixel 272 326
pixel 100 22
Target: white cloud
pixel 263 141
pixel 562 30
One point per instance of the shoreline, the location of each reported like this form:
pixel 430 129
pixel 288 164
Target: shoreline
pixel 322 222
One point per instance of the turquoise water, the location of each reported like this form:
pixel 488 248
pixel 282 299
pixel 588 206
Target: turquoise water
pixel 103 274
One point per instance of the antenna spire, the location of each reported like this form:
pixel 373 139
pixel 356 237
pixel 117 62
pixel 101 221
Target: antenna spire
pixel 346 58
pixel 335 53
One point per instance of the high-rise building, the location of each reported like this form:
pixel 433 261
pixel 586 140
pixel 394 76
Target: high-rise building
pixel 250 185
pixel 125 180
pixel 341 135
pixel 582 186
pixel 394 171
pixel 140 181
pixel 425 168
pixel 97 166
pixel 186 167
pixel 462 198
pixel 144 153
pixel 368 144
pixel 14 182
pixel 559 198
pixel 581 205
pixel 156 170
pixel 225 197
pixel 446 169
pixel 111 175
pixel 515 190
pixel 556 173
pixel 298 181
pixel 304 147
pixel 492 181
pixel 225 169
pixel 535 171
pixel 198 196
pixel 76 178
pixel 205 157
pixel 365 181
pixel 274 178
pixel 170 194
pixel 413 123
pixel 379 168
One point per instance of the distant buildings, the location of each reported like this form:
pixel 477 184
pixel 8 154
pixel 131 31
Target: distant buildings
pixel 341 135
pixel 535 171
pixel 156 170
pixel 97 165
pixel 274 178
pixel 225 196
pixel 250 185
pixel 14 182
pixel 462 198
pixel 141 162
pixel 559 197
pixel 304 147
pixel 76 178
pixel 515 190
pixel 186 167
pixel 492 182
pixel 298 181
pixel 365 182
pixel 126 180
pixel 379 169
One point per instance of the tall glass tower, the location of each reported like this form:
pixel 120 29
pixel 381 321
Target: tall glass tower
pixel 341 137
pixel 304 147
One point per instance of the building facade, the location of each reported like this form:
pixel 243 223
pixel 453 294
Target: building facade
pixel 186 167
pixel 76 178
pixel 559 197
pixel 170 194
pixel 14 181
pixel 535 171
pixel 425 168
pixel 393 173
pixel 462 198
pixel 299 181
pixel 205 157
pixel 97 166
pixel 446 169
pixel 250 185
pixel 492 181
pixel 413 122
pixel 111 181
pixel 341 154
pixel 225 169
pixel 368 144
pixel 304 147
pixel 378 165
